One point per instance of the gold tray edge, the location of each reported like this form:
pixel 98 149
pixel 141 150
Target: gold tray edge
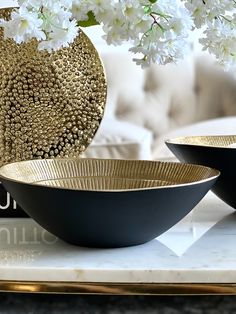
pixel 119 288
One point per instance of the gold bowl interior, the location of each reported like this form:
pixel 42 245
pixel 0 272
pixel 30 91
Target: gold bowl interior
pixel 211 141
pixel 102 174
pixel 103 183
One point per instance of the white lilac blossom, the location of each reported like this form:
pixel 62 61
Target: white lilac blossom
pixel 50 22
pixel 158 30
pixel 218 20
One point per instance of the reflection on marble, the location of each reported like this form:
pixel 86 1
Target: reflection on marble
pixel 18 257
pixel 21 241
pixel 189 230
pixel 21 233
pixel 200 248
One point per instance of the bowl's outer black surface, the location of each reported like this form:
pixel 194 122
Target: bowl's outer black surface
pixel 220 158
pixel 107 219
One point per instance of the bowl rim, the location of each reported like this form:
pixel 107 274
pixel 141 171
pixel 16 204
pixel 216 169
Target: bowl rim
pixel 215 174
pixel 176 141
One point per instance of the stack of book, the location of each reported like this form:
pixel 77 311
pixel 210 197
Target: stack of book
pixel 8 206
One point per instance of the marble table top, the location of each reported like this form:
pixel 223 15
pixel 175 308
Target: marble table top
pixel 199 249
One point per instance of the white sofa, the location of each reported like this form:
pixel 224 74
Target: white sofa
pixel 158 101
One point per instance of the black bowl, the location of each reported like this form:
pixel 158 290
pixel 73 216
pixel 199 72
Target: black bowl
pixel 211 151
pixel 106 203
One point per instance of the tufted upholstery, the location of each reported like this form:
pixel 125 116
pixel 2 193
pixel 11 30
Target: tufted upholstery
pixel 158 98
pixel 163 98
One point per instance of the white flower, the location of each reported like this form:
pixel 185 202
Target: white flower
pixel 207 10
pixel 23 26
pixel 220 40
pixel 60 37
pixel 80 10
pixel 50 22
pixel 158 30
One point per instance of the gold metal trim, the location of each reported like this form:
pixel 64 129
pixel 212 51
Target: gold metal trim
pixel 217 141
pixel 118 288
pixel 106 174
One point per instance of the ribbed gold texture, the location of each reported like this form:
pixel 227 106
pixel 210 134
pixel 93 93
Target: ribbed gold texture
pixel 213 141
pixel 51 104
pixel 105 174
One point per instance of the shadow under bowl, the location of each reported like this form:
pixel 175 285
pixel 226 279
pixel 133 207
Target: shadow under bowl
pixel 214 152
pixel 106 203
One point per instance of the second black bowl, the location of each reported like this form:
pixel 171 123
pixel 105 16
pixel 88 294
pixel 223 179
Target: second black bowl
pixel 211 151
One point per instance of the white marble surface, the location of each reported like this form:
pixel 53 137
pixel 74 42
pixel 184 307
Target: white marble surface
pixel 201 248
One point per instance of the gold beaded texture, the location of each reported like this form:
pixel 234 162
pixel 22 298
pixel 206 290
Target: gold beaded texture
pixel 51 103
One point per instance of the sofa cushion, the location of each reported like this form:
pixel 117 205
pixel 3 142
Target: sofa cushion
pixel 220 126
pixel 120 140
pixel 159 98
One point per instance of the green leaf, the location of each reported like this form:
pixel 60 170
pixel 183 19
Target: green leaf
pixel 90 22
pixel 147 9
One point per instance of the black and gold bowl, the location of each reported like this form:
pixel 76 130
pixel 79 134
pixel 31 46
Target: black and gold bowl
pixel 106 203
pixel 212 151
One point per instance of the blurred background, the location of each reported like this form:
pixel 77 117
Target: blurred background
pixel 145 107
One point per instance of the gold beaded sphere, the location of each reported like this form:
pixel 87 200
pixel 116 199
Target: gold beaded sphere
pixel 51 103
